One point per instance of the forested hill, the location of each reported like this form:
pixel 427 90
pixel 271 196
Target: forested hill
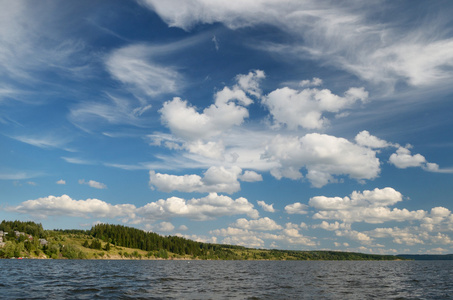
pixel 28 239
pixel 148 241
pixel 427 256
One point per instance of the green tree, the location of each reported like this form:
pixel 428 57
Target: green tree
pixel 107 247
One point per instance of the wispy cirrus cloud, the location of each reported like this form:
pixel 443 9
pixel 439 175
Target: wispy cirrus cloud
pixel 25 33
pixel 18 175
pixel 339 34
pixel 45 142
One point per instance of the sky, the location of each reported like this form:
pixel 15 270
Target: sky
pixel 305 125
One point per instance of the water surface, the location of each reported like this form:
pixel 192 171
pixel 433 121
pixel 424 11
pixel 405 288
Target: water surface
pixel 100 279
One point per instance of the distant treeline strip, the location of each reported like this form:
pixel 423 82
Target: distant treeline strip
pixel 427 256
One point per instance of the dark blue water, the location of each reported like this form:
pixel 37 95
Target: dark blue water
pixel 96 279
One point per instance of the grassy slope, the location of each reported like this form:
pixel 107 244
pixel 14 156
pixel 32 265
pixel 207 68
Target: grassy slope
pixel 77 240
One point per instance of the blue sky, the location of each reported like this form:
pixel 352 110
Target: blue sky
pixel 271 124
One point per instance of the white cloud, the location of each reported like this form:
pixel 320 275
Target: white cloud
pixel 251 176
pixel 134 66
pixel 364 138
pixel 369 207
pixel 403 159
pixel 263 224
pixel 332 226
pixel 375 198
pixel 45 142
pixel 246 241
pixel 245 237
pixel 354 235
pixel 65 206
pixel 296 208
pixel 250 82
pixel 26 34
pixel 339 34
pixel 184 121
pixel 215 179
pixel 400 236
pixel 266 207
pixel 314 82
pixel 93 184
pixel 323 156
pixel 165 227
pixel 183 228
pixel 61 181
pixel 205 208
pixel 211 149
pixel 216 42
pixel 306 108
pixel 109 109
pixel 437 216
pixel 228 110
pixel 77 161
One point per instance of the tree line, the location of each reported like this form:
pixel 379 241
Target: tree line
pixel 130 237
pixel 75 243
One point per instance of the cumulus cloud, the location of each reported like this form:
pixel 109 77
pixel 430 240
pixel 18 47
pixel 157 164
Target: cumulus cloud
pixel 228 110
pixel 93 184
pixel 250 82
pixel 364 138
pixel 323 156
pixel 246 241
pixel 354 235
pixel 183 228
pixel 165 227
pixel 263 224
pixel 240 236
pixel 251 176
pixel 375 198
pixel 215 179
pixel 206 208
pixel 266 207
pixel 332 226
pixel 61 181
pixel 209 207
pixel 296 208
pixel 403 159
pixel 437 216
pixel 66 206
pixel 306 108
pixel 400 235
pixel 368 206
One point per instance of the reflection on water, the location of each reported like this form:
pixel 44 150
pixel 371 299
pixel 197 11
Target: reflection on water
pixel 88 279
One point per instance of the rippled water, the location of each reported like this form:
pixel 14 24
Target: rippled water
pixel 96 279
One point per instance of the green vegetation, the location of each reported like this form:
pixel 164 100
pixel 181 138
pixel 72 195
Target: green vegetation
pixel 426 256
pixel 105 241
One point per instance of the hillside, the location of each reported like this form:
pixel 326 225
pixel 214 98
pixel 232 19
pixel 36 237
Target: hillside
pixel 426 256
pixel 105 241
